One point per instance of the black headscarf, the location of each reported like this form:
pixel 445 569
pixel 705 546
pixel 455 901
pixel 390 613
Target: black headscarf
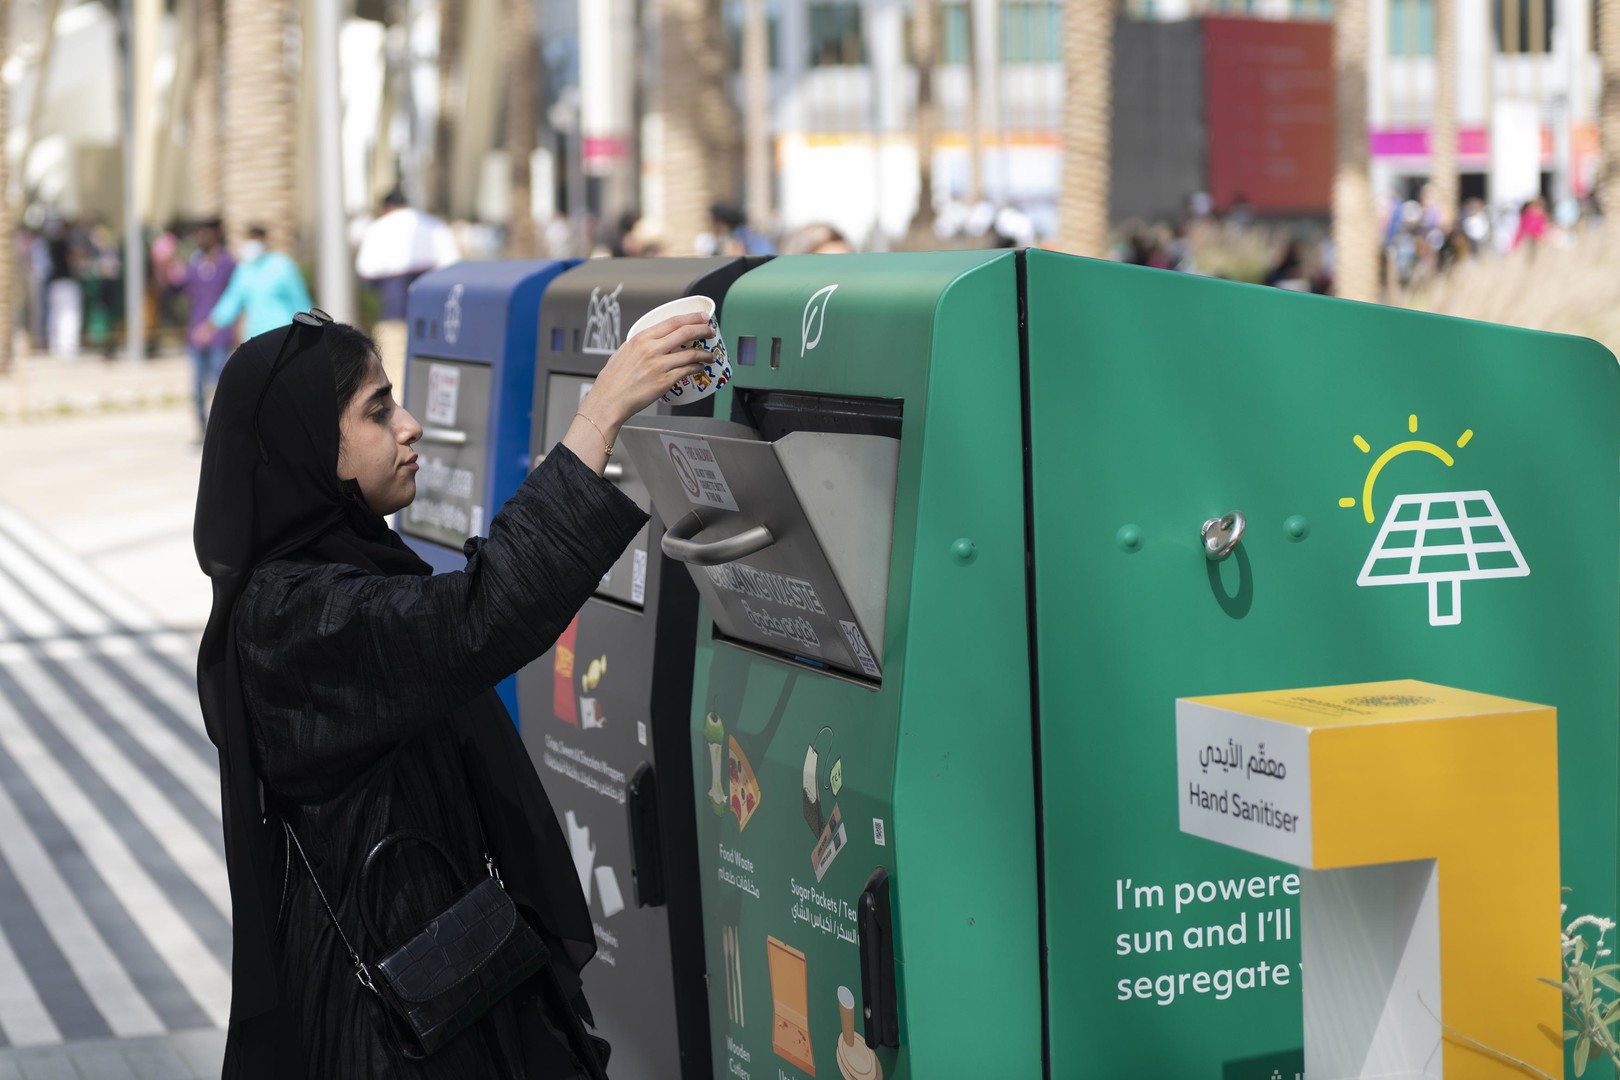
pixel 269 489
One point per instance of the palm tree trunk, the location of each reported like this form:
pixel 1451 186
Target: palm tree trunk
pixel 8 248
pixel 257 181
pixel 924 50
pixel 701 147
pixel 1088 62
pixel 205 126
pixel 717 110
pixel 1608 30
pixel 1355 234
pixel 36 107
pixel 1443 130
pixel 975 121
pixel 452 14
pixel 757 112
pixel 522 125
pixel 382 172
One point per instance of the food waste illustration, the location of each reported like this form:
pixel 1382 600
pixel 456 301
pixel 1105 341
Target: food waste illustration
pixel 773 940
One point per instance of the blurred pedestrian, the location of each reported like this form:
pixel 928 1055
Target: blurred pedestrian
pixel 730 234
pixel 1140 248
pixel 1532 223
pixel 1288 271
pixel 64 295
pixel 166 259
pixel 202 280
pixel 1476 224
pixel 399 246
pixel 624 241
pixel 1180 250
pixel 817 239
pixel 101 272
pixel 265 291
pixel 351 694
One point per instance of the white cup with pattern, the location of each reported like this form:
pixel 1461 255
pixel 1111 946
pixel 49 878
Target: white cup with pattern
pixel 716 373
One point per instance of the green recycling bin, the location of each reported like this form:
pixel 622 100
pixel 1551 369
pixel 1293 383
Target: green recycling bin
pixel 951 526
pixel 854 520
pixel 1424 498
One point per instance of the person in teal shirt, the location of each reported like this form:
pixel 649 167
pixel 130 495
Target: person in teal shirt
pixel 266 291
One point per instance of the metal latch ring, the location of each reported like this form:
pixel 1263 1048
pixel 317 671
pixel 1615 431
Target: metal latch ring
pixel 1221 535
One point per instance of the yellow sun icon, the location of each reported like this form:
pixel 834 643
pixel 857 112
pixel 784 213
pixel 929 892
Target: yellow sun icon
pixel 1410 446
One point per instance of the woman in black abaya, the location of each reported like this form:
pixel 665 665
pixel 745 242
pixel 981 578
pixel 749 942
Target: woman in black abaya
pixel 351 695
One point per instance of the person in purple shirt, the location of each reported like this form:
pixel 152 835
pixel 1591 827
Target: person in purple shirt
pixel 202 280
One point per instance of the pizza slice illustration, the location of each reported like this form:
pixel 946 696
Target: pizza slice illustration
pixel 744 788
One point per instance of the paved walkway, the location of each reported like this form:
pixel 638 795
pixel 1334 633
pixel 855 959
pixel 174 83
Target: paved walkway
pixel 194 1055
pixel 42 387
pixel 101 456
pixel 114 911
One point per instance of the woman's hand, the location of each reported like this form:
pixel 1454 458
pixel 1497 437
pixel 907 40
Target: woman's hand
pixel 640 373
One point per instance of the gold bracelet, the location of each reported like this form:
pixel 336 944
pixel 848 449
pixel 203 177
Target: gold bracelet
pixel 607 447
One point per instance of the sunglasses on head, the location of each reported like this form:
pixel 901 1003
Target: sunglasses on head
pixel 313 319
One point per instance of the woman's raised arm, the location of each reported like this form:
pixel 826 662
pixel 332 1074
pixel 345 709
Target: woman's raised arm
pixel 339 665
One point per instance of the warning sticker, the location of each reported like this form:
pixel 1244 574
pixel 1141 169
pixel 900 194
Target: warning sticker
pixel 857 645
pixel 638 576
pixel 699 473
pixel 444 392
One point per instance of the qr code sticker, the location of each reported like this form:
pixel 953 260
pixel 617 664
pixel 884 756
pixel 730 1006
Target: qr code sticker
pixel 878 836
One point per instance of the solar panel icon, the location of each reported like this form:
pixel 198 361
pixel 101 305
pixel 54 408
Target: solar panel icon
pixel 1441 540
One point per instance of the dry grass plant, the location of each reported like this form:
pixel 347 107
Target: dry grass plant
pixel 1571 288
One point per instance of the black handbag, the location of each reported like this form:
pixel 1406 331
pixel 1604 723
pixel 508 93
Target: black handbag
pixel 456 966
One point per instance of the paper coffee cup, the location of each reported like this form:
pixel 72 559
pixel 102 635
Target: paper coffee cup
pixel 716 373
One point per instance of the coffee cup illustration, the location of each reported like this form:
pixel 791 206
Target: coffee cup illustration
pixel 856 1061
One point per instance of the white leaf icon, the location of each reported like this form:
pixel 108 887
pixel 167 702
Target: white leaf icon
pixel 815 311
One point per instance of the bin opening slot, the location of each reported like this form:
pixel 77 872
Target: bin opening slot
pixel 775 413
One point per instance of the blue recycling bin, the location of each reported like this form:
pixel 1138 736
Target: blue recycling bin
pixel 469 381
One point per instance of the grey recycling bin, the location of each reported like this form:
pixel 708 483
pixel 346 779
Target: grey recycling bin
pixel 604 714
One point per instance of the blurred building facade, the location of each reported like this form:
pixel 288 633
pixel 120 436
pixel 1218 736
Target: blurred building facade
pixel 843 101
pixel 1527 89
pixel 841 93
pixel 843 116
pixel 1527 97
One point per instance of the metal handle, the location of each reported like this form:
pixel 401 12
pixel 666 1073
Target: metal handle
pixel 678 543
pixel 444 436
pixel 1221 535
pixel 612 472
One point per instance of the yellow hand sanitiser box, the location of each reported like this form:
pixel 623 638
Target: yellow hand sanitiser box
pixel 1425 823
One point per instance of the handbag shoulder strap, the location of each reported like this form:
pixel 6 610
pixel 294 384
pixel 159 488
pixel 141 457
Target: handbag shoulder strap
pixel 361 972
pixel 478 817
